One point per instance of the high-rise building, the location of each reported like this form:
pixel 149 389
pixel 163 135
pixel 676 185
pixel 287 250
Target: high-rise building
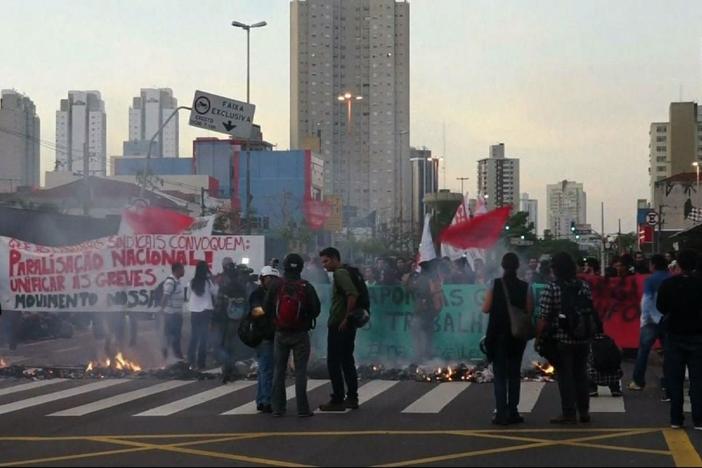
pixel 424 180
pixel 19 142
pixel 349 91
pixel 530 206
pixel 146 115
pixel 567 204
pixel 676 144
pixel 81 124
pixel 498 179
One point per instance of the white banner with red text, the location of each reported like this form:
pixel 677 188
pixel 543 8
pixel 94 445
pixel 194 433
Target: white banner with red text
pixel 111 274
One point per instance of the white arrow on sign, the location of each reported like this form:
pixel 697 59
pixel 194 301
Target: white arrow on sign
pixel 222 114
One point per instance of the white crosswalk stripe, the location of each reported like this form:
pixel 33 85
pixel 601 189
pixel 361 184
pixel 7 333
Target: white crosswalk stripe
pixel 29 386
pixel 250 407
pixel 197 399
pixel 367 392
pixel 529 394
pixel 52 397
pixel 122 398
pixel 606 403
pixel 437 398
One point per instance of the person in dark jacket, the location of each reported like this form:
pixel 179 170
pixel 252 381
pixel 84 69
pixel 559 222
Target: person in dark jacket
pixel 295 339
pixel 504 350
pixel 680 302
pixel 572 353
pixel 264 351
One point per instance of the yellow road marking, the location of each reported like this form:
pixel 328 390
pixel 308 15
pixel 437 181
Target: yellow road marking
pixel 109 452
pixel 542 443
pixel 684 454
pixel 227 456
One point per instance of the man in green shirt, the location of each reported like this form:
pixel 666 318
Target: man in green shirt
pixel 341 335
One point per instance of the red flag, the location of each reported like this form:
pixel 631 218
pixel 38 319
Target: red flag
pixel 153 220
pixel 480 232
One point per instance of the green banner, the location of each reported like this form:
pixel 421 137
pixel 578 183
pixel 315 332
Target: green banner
pixel 389 337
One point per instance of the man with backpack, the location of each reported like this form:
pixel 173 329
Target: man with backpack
pixel 568 324
pixel 295 306
pixel 349 294
pixel 171 309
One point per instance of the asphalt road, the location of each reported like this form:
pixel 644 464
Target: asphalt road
pixel 151 422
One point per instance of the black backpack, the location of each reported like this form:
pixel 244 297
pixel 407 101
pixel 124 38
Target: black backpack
pixel 606 355
pixel 157 294
pixel 363 300
pixel 577 317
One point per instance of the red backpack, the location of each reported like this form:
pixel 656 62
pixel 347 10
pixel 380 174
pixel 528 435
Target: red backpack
pixel 290 306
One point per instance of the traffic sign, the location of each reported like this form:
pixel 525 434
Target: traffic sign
pixel 221 114
pixel 652 218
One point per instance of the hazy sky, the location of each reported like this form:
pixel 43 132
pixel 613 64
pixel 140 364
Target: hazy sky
pixel 570 87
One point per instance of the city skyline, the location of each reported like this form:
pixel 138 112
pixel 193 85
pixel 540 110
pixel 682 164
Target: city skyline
pixel 570 88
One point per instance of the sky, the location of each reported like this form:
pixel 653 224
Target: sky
pixel 570 87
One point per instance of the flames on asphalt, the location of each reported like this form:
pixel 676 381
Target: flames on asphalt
pixel 546 369
pixel 119 362
pixel 3 363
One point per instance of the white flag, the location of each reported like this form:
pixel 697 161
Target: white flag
pixel 426 246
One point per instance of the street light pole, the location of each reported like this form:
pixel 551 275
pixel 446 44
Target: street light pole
pixel 697 166
pixel 247 28
pixel 462 179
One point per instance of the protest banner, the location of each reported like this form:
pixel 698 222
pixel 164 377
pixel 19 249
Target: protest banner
pixel 117 273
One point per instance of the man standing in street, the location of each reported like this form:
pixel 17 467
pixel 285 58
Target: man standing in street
pixel 651 327
pixel 294 304
pixel 680 301
pixel 172 311
pixel 341 334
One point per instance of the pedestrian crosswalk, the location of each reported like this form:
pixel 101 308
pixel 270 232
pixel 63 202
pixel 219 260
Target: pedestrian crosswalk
pixel 149 398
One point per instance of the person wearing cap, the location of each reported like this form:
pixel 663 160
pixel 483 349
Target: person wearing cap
pixel 291 338
pixel 264 351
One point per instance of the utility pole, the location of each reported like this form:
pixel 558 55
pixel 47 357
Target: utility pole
pixel 86 170
pixel 462 179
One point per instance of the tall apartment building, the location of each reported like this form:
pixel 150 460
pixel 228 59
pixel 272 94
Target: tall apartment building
pixel 567 203
pixel 19 142
pixel 498 179
pixel 81 124
pixel 530 206
pixel 424 179
pixel 349 91
pixel 676 144
pixel 146 115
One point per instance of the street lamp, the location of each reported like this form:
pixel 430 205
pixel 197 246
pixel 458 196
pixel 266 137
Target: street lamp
pixel 462 179
pixel 697 166
pixel 247 28
pixel 349 99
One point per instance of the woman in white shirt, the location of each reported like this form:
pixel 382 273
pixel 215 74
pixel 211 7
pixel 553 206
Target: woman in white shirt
pixel 201 305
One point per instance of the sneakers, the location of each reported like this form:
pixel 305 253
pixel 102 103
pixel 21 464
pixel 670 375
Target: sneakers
pixel 515 419
pixel 665 398
pixel 676 426
pixel 264 408
pixel 351 403
pixel 594 393
pixel 616 393
pixel 333 406
pixel 498 421
pixel 308 414
pixel 634 387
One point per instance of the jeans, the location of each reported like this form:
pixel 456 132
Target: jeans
pixel 573 382
pixel 341 364
pixel 173 329
pixel 264 355
pixel 681 352
pixel 199 324
pixel 507 367
pixel 647 337
pixel 299 344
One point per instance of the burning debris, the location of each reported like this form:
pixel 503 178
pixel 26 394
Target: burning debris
pixel 119 363
pixel 3 363
pixel 458 373
pixel 541 372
